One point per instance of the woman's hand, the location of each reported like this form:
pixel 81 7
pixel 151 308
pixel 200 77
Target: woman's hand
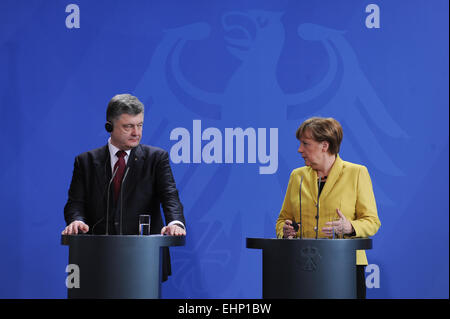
pixel 288 229
pixel 341 226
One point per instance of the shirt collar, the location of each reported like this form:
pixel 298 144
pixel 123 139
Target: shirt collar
pixel 113 150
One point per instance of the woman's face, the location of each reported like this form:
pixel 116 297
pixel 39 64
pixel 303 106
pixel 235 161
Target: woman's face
pixel 313 152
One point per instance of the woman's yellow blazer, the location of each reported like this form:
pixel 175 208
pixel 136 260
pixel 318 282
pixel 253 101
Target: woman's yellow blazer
pixel 348 187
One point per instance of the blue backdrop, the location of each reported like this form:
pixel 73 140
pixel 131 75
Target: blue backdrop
pixel 204 69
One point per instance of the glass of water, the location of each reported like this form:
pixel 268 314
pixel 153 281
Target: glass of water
pixel 144 225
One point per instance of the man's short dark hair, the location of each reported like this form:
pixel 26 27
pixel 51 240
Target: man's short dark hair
pixel 123 104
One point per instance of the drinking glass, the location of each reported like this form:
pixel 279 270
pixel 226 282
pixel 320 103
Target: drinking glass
pixel 144 225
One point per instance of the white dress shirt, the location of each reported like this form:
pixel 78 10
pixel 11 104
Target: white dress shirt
pixel 112 153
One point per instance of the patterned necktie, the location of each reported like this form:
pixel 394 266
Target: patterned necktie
pixel 120 166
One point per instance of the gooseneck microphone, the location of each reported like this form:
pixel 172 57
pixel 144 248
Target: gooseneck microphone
pixel 317 214
pixel 294 224
pixel 107 199
pixel 300 201
pixel 121 197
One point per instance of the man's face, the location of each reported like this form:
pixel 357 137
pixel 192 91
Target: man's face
pixel 127 132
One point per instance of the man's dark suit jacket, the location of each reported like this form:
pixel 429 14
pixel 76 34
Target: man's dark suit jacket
pixel 148 186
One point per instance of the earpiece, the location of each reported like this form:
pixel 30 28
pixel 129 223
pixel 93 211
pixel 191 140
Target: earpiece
pixel 109 127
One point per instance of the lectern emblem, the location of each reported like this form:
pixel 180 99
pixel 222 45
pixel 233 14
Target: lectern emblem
pixel 310 258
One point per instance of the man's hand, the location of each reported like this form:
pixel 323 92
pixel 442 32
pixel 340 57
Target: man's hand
pixel 74 227
pixel 288 229
pixel 173 230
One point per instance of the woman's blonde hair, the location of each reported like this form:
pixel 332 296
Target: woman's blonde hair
pixel 323 129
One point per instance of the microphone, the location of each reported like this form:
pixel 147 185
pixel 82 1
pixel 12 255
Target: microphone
pixel 107 199
pixel 300 201
pixel 298 226
pixel 317 215
pixel 121 197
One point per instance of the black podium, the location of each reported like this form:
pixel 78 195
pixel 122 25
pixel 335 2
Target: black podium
pixel 118 266
pixel 309 268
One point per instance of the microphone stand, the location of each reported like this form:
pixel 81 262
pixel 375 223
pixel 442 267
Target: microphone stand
pixel 300 200
pixel 107 199
pixel 121 198
pixel 317 215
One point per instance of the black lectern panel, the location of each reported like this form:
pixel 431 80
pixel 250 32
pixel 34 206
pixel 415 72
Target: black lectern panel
pixel 309 268
pixel 118 266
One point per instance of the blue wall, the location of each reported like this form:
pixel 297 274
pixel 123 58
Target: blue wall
pixel 228 64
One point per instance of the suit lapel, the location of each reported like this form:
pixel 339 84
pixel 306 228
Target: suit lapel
pixel 311 184
pixel 102 164
pixel 333 176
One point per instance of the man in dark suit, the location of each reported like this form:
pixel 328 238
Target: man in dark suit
pixel 138 177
